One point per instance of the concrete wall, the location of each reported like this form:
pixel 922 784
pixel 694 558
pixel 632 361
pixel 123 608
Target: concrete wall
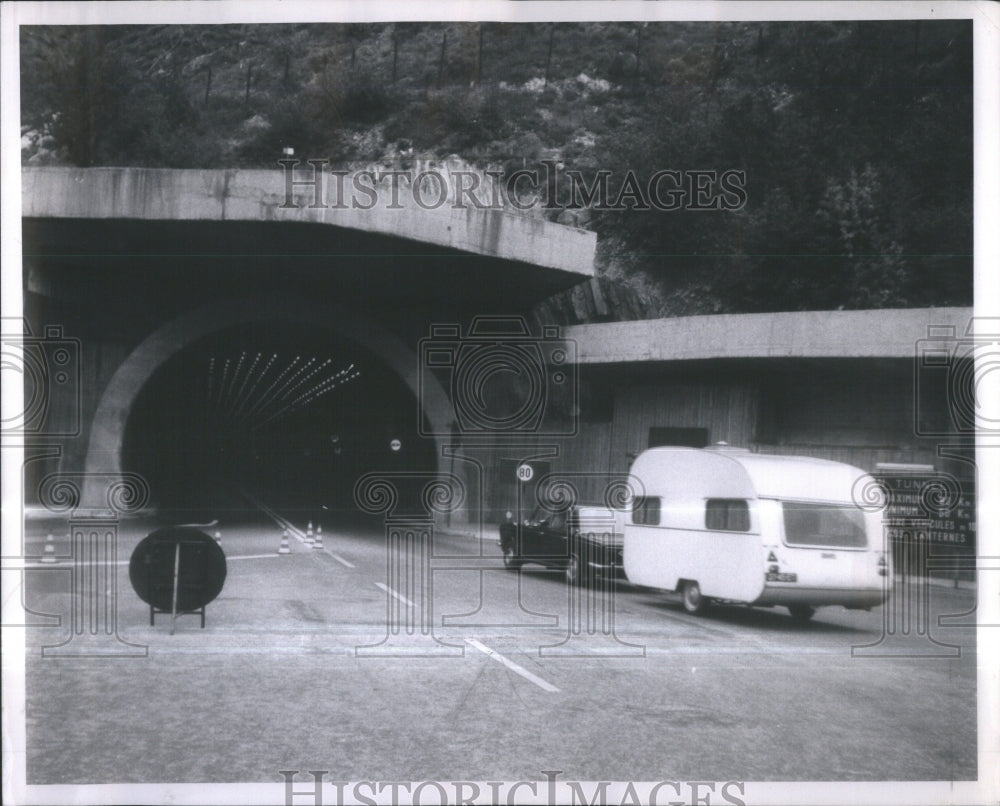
pixel 861 411
pixel 247 195
pixel 802 334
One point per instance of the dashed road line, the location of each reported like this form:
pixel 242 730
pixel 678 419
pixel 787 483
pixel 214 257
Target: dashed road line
pixel 339 559
pixel 67 562
pixel 494 655
pixel 394 594
pixel 298 534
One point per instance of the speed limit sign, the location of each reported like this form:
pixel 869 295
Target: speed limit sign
pixel 525 472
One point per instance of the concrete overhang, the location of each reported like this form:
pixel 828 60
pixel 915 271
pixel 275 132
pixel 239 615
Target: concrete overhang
pixel 890 333
pixel 261 196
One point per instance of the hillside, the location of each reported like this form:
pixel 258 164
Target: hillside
pixel 855 138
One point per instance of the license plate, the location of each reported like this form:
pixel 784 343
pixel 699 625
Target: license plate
pixel 771 577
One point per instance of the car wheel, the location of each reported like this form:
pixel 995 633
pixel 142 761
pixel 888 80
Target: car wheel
pixel 510 560
pixel 801 613
pixel 574 570
pixel 694 602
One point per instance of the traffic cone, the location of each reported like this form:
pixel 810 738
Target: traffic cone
pixel 283 548
pixel 218 538
pixel 319 537
pixel 309 534
pixel 49 555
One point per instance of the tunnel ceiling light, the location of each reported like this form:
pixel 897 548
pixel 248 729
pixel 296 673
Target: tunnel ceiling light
pixel 290 384
pixel 310 395
pixel 253 391
pixel 305 378
pixel 211 379
pixel 244 400
pixel 232 382
pixel 264 400
pixel 239 394
pixel 222 385
pixel 256 383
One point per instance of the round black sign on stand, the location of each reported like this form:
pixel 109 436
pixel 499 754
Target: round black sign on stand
pixel 177 570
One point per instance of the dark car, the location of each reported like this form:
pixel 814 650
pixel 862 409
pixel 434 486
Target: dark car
pixel 582 541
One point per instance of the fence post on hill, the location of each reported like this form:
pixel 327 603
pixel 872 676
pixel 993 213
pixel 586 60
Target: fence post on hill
pixel 444 47
pixel 479 57
pixel 548 57
pixel 246 93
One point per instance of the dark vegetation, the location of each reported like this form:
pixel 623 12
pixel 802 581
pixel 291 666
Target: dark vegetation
pixel 856 137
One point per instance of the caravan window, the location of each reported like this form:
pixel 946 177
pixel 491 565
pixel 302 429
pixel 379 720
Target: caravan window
pixel 727 515
pixel 812 524
pixel 646 511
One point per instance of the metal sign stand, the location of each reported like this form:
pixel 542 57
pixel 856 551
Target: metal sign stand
pixel 174 613
pixel 156 573
pixel 177 568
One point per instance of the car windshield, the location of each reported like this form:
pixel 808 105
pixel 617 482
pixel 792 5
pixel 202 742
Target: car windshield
pixel 554 520
pixel 821 524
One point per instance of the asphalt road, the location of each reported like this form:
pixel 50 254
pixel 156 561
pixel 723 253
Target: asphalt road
pixel 363 661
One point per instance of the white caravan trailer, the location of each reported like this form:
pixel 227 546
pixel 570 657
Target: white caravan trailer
pixel 724 523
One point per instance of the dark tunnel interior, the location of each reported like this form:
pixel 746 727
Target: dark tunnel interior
pixel 291 416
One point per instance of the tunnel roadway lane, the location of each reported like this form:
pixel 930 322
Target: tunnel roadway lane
pixel 299 667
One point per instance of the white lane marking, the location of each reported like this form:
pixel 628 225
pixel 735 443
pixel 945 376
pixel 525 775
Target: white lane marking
pixel 294 531
pixel 394 595
pixel 492 653
pixel 340 559
pixel 67 562
pixel 298 534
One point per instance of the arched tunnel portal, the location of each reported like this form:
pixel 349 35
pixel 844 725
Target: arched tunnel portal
pixel 291 405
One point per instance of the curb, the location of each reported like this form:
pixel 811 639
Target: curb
pixel 939 582
pixel 484 536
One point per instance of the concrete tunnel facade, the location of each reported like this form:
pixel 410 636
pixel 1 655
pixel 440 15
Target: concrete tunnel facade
pixel 139 264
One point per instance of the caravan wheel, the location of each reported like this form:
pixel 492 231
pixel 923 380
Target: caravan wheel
pixel 801 613
pixel 694 602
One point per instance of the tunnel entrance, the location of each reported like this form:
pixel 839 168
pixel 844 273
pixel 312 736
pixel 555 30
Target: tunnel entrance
pixel 291 415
